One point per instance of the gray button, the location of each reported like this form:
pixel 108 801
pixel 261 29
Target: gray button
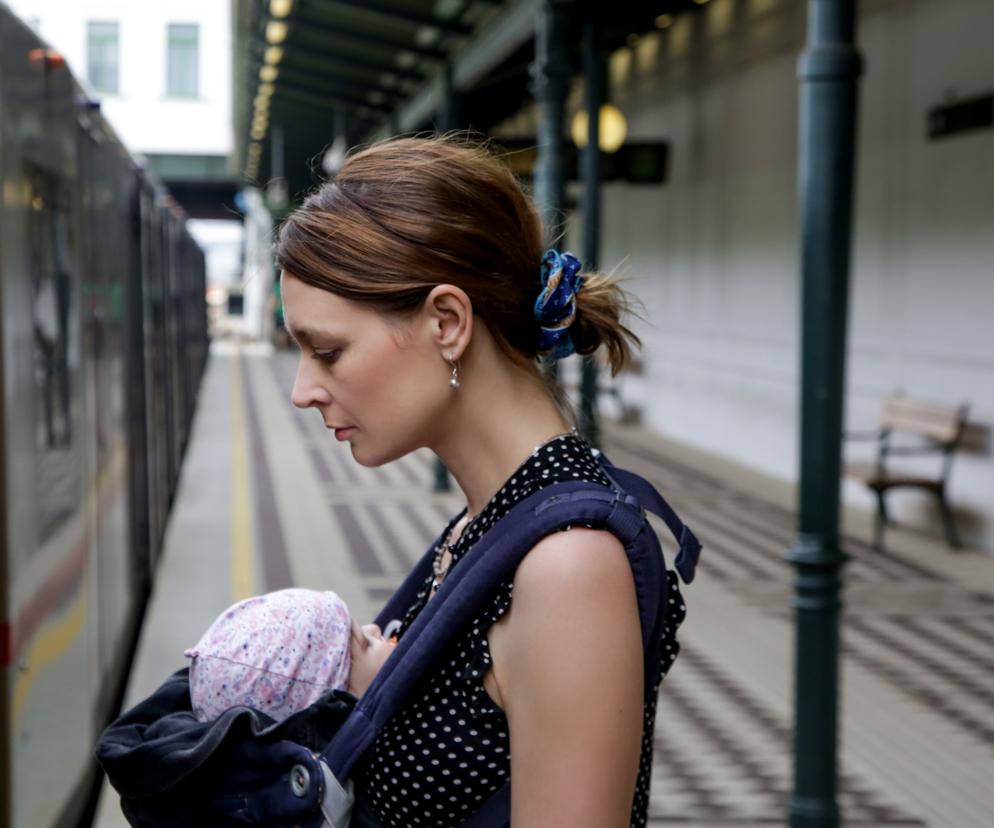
pixel 300 780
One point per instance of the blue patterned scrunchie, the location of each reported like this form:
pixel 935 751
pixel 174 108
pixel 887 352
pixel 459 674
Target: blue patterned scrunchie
pixel 555 308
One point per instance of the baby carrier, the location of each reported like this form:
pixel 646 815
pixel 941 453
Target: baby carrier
pixel 245 769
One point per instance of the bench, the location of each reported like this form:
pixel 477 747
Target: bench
pixel 937 430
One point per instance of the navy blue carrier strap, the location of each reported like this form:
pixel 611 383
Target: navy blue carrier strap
pixel 631 484
pixel 493 559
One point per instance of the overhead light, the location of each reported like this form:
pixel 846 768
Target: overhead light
pixel 426 35
pixel 266 90
pixel 275 32
pixel 262 102
pixel 260 121
pixel 664 21
pixel 273 55
pixel 611 129
pixel 334 156
pixel 268 73
pixel 280 8
pixel 258 134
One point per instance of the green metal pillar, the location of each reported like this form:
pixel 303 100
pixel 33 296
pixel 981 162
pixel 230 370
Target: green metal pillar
pixel 828 70
pixel 594 70
pixel 551 73
pixel 452 116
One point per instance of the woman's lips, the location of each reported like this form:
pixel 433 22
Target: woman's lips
pixel 343 433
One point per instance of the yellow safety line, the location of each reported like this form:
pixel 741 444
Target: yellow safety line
pixel 242 581
pixel 48 645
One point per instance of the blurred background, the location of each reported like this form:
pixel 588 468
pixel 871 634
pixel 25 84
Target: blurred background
pixel 800 194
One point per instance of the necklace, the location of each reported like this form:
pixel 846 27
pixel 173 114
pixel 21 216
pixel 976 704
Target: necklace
pixel 436 566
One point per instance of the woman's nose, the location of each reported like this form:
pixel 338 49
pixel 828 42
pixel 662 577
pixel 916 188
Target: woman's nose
pixel 307 391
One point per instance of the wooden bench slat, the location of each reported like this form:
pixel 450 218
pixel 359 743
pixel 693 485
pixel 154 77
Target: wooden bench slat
pixel 939 422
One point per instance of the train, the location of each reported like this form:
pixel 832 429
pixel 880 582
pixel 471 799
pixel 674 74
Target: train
pixel 104 339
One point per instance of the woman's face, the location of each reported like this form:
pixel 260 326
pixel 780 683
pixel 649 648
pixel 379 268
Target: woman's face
pixel 355 374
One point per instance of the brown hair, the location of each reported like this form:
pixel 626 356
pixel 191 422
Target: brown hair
pixel 407 214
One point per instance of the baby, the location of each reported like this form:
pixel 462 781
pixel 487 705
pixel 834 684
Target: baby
pixel 281 651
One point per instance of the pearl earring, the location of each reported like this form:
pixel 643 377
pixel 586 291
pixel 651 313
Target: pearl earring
pixel 454 382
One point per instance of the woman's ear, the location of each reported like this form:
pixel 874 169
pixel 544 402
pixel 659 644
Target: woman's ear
pixel 450 317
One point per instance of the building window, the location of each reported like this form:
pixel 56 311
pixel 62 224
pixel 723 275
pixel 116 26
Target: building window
pixel 184 42
pixel 101 56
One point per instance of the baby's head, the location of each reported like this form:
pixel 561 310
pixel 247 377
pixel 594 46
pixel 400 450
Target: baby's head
pixel 280 652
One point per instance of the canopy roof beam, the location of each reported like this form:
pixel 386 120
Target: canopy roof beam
pixel 385 10
pixel 307 96
pixel 305 26
pixel 316 81
pixel 318 57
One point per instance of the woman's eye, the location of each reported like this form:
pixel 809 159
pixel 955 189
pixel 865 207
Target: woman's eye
pixel 327 356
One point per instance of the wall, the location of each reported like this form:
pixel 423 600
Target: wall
pixel 714 252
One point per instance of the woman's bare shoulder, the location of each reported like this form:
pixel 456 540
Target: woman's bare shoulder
pixel 576 559
pixel 571 679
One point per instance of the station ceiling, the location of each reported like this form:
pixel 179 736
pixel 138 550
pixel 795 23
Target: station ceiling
pixel 306 70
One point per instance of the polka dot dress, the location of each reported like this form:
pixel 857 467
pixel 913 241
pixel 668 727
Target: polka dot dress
pixel 442 757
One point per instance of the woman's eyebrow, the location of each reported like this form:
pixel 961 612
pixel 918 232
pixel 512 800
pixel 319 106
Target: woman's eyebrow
pixel 299 335
pixel 306 336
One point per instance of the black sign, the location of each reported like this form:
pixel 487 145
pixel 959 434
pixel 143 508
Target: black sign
pixel 962 116
pixel 638 162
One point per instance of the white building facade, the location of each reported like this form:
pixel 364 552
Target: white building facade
pixel 161 71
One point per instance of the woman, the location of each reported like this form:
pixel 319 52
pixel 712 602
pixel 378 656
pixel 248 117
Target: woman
pixel 416 287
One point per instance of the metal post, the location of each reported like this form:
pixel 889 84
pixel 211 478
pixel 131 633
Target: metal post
pixel 828 70
pixel 452 116
pixel 594 70
pixel 551 73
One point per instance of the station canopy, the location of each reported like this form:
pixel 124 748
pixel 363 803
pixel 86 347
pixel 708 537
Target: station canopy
pixel 309 70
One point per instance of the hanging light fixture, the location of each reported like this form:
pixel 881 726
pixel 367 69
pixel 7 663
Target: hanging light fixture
pixel 276 32
pixel 611 129
pixel 268 73
pixel 280 8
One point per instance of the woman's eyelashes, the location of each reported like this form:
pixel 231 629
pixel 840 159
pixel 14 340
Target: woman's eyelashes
pixel 327 356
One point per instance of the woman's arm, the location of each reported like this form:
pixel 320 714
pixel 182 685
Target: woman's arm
pixel 571 683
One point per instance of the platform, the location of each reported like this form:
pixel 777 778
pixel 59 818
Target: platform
pixel 268 499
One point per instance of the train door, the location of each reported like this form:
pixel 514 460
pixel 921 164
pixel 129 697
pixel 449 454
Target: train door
pixel 153 267
pixel 105 181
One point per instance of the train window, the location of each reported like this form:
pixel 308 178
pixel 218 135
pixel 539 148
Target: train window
pixel 51 243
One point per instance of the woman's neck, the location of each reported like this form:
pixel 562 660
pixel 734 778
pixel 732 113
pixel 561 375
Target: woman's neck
pixel 495 428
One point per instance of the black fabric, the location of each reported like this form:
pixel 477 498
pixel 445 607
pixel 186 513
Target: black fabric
pixel 172 770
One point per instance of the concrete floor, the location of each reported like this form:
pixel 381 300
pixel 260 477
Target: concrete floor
pixel 268 499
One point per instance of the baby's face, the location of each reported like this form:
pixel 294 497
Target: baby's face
pixel 369 650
